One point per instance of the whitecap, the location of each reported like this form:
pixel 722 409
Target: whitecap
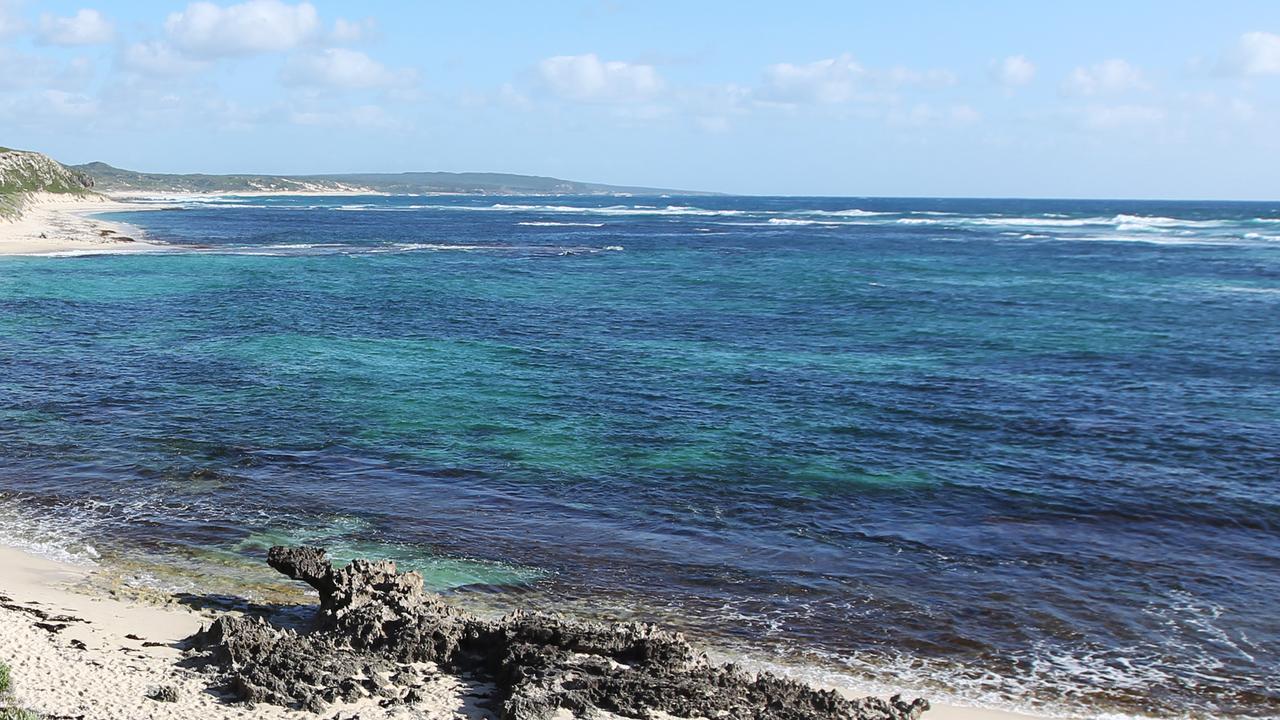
pixel 854 212
pixel 794 221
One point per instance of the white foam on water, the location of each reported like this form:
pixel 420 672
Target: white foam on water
pixel 301 246
pixel 435 247
pixel 609 210
pixel 1033 221
pixel 1247 289
pixel 121 249
pixel 379 208
pixel 913 676
pixel 549 223
pixel 46 538
pixel 224 204
pixel 853 212
pixel 439 247
pixel 1012 222
pixel 1159 239
pixel 795 221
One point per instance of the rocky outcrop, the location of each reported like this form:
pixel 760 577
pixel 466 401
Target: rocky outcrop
pixel 24 173
pixel 377 633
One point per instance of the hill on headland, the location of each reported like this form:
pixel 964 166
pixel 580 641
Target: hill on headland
pixel 112 179
pixel 24 173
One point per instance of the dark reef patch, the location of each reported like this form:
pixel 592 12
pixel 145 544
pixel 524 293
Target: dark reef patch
pixel 377 633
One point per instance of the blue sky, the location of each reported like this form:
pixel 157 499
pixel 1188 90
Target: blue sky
pixel 1010 99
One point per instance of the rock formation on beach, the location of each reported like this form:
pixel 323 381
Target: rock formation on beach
pixel 377 633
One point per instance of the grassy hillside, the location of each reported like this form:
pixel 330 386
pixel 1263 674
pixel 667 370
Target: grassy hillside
pixel 23 173
pixel 108 178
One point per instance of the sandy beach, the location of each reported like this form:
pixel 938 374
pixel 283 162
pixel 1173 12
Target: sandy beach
pixel 57 224
pixel 76 652
pixel 79 651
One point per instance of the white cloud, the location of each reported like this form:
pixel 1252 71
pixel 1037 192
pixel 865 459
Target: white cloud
pixel 86 27
pixel 341 68
pixel 1103 117
pixel 20 70
pixel 840 80
pixel 934 78
pixel 1236 109
pixel 829 81
pixel 256 26
pixel 713 124
pixel 68 104
pixel 1109 77
pixel 159 59
pixel 11 22
pixel 510 95
pixel 586 78
pixel 346 32
pixel 364 116
pixel 923 114
pixel 1014 71
pixel 963 114
pixel 1256 53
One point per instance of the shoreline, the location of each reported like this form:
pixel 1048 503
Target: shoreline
pixel 111 651
pixel 53 224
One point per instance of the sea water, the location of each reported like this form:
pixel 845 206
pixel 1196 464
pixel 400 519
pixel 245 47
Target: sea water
pixel 1018 453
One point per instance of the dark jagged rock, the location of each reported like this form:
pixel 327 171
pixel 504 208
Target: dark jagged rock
pixel 376 628
pixel 164 693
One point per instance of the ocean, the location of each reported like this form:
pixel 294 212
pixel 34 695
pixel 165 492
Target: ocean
pixel 1013 453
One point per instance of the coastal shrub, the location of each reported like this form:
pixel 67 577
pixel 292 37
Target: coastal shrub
pixel 7 712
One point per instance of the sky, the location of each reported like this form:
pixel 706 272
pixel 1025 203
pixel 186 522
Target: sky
pixel 1116 99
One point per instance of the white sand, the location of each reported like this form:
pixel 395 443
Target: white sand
pixel 53 224
pixel 111 677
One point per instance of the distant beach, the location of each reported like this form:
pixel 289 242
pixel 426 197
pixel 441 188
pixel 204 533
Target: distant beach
pixel 52 224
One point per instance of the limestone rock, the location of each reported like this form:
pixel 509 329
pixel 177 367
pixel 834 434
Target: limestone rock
pixel 375 625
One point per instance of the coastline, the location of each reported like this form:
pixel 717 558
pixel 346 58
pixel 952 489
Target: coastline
pixel 197 468
pixel 180 195
pixel 111 650
pixel 55 224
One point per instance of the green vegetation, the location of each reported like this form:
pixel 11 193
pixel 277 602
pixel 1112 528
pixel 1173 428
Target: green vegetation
pixel 22 173
pixel 108 178
pixel 7 710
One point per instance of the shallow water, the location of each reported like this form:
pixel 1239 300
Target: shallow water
pixel 1002 450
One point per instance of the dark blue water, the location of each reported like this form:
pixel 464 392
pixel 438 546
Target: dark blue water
pixel 1008 451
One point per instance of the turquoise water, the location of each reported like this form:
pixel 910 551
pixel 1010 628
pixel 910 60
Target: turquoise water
pixel 1011 451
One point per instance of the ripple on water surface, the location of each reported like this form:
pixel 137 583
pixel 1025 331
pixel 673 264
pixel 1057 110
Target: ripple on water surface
pixel 1003 451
